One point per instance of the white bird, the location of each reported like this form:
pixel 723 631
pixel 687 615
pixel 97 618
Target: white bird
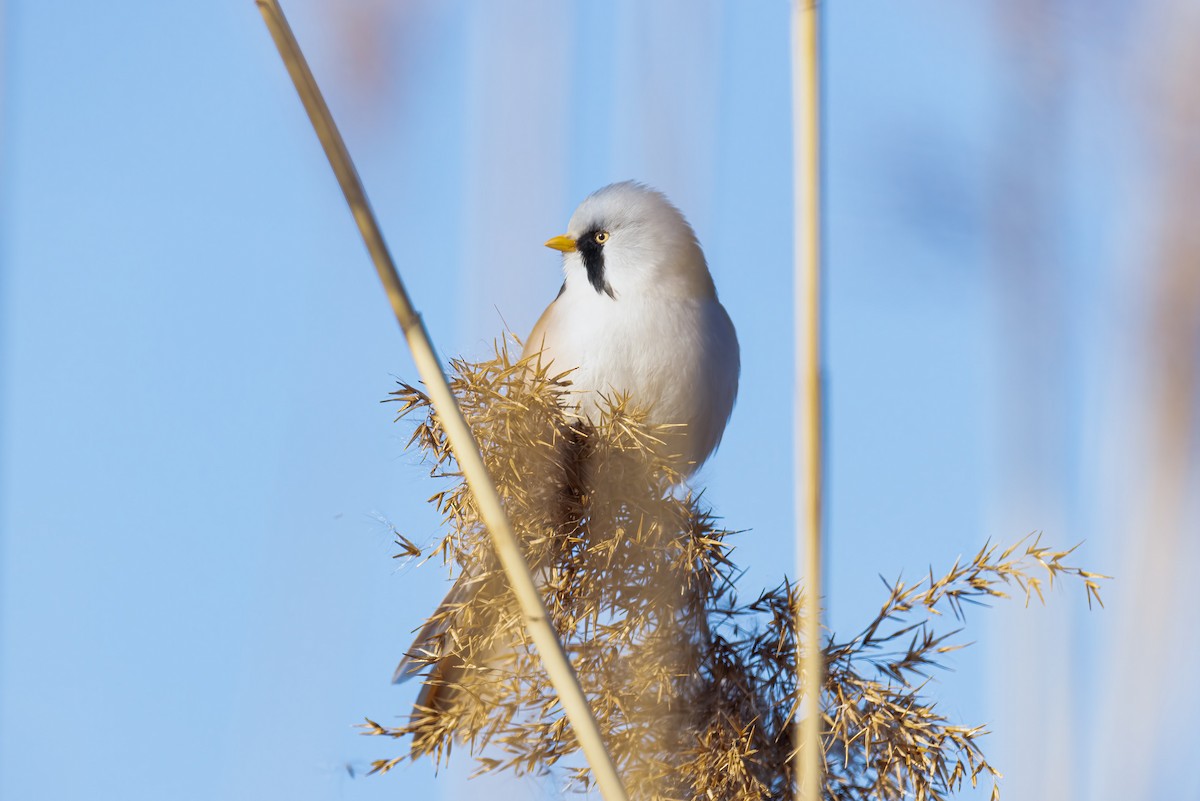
pixel 637 314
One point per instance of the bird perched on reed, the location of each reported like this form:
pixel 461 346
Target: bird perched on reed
pixel 637 315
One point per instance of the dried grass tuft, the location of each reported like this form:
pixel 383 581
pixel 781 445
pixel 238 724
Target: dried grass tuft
pixel 694 688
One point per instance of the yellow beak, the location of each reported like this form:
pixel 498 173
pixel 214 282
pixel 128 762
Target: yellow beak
pixel 564 243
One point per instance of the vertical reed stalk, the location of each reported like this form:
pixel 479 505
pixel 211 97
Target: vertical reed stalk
pixel 462 442
pixel 806 131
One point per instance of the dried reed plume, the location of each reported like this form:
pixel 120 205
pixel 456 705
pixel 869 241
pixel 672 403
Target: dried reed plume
pixel 695 689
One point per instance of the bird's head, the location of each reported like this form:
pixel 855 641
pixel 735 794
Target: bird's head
pixel 628 239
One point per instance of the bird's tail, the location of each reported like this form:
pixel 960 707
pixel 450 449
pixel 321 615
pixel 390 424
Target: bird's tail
pixel 437 652
pixel 430 642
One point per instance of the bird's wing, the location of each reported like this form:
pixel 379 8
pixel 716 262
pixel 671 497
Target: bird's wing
pixel 536 341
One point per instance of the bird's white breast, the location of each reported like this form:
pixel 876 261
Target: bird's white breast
pixel 676 357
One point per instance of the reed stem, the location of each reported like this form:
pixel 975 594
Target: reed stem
pixel 462 442
pixel 806 131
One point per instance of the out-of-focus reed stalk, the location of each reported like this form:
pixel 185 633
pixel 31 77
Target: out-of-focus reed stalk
pixel 1037 313
pixel 806 132
pixel 1142 721
pixel 1173 341
pixel 462 442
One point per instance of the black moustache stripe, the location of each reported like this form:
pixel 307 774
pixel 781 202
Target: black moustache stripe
pixel 593 259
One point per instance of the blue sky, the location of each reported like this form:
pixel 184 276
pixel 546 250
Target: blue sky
pixel 196 474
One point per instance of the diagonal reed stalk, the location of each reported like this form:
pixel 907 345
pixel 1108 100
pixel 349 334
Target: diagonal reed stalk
pixel 462 442
pixel 806 132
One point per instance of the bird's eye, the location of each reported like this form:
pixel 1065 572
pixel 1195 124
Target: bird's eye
pixel 601 237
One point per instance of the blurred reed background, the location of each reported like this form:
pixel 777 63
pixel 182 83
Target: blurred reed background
pixel 197 599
